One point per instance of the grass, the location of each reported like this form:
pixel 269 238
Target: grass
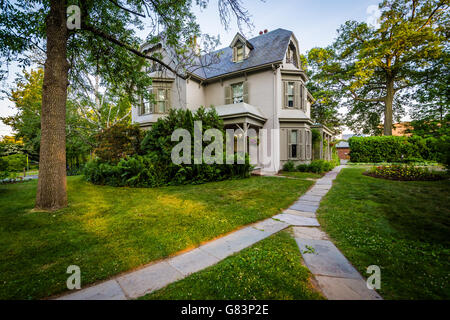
pixel 301 175
pixel 107 230
pixel 269 270
pixel 403 227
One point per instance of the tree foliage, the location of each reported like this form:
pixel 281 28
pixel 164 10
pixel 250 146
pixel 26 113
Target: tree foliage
pixel 106 45
pixel 324 109
pixel 371 66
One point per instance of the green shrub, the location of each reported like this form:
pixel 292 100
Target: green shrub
pixel 155 167
pixel 118 142
pixel 4 172
pixel 316 166
pixel 302 168
pixel 142 171
pixel 404 173
pixel 16 162
pixel 443 145
pixel 399 149
pixel 289 166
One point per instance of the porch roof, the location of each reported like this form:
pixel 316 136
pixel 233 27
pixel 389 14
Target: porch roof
pixel 241 112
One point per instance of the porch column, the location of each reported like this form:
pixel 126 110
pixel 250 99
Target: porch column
pixel 245 128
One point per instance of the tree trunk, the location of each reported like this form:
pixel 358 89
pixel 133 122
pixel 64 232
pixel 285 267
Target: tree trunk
pixel 51 191
pixel 388 107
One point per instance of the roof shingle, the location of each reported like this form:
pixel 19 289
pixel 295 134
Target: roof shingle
pixel 268 48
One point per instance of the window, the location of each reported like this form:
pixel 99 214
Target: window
pixel 154 67
pixel 291 98
pixel 146 107
pixel 238 92
pixel 161 99
pixel 290 94
pixel 160 103
pixel 291 56
pixel 239 53
pixel 293 140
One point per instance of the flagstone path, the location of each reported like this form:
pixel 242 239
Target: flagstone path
pixel 336 277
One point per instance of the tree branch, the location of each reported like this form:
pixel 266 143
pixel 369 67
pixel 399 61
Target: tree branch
pixel 126 9
pixel 431 15
pixel 356 97
pixel 117 42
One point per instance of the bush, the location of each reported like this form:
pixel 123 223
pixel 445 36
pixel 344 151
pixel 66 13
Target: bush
pixel 404 173
pixel 142 171
pixel 155 167
pixel 289 166
pixel 4 172
pixel 316 166
pixel 400 149
pixel 118 142
pixel 320 166
pixel 16 162
pixel 302 168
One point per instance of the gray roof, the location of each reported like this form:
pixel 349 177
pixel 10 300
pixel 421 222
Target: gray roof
pixel 267 48
pixel 342 144
pixel 345 137
pixel 239 108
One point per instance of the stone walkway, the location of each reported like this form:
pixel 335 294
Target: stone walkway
pixel 335 275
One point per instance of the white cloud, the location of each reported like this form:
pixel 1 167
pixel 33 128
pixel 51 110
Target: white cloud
pixel 374 14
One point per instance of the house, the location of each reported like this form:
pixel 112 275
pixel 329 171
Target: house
pixel 343 147
pixel 402 129
pixel 254 83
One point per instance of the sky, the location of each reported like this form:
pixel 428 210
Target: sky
pixel 314 23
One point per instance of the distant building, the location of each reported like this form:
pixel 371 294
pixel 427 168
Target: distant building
pixel 343 147
pixel 400 129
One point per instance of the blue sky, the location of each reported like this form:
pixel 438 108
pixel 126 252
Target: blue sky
pixel 314 23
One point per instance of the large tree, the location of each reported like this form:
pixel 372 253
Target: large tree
pixel 431 108
pixel 26 94
pixel 324 109
pixel 105 45
pixel 370 66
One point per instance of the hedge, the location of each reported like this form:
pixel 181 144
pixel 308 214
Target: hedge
pixel 395 149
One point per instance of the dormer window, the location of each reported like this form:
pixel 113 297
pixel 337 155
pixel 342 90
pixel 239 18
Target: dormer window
pixel 240 53
pixel 241 48
pixel 291 56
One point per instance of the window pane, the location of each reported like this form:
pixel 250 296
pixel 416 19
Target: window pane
pixel 290 88
pixel 294 151
pixel 294 137
pixel 240 53
pixel 147 107
pixel 161 95
pixel 291 101
pixel 238 93
pixel 161 106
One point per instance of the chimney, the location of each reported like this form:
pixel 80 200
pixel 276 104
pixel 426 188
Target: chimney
pixel 265 30
pixel 260 33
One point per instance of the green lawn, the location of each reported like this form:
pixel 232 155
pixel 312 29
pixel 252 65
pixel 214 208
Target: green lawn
pixel 301 175
pixel 269 270
pixel 403 227
pixel 107 230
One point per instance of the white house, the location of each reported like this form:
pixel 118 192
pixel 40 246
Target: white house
pixel 257 83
